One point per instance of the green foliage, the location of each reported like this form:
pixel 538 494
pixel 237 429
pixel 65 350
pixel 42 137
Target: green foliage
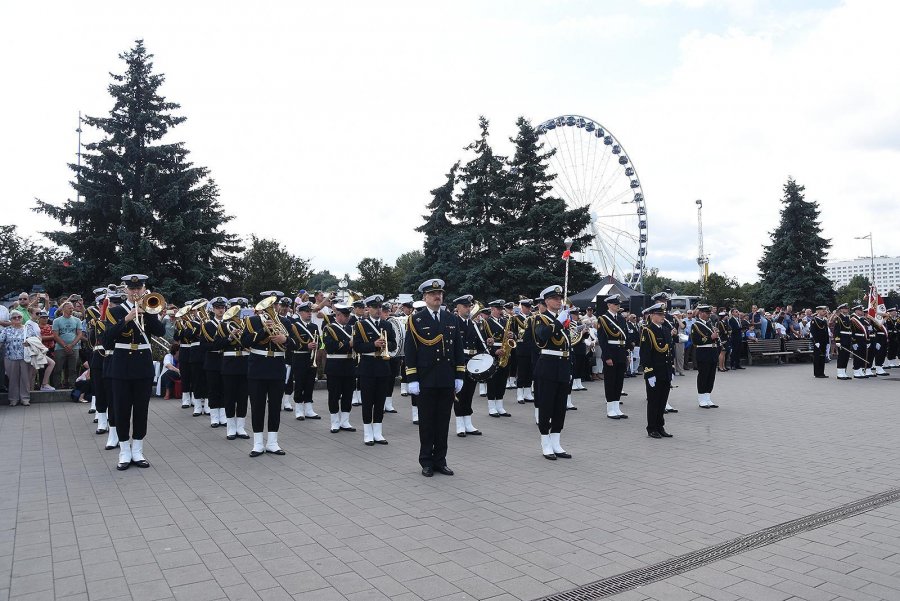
pixel 792 268
pixel 377 277
pixel 143 206
pixel 856 291
pixel 267 265
pixel 322 280
pixel 24 263
pixel 493 228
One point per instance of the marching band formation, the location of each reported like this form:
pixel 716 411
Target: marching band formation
pixel 266 355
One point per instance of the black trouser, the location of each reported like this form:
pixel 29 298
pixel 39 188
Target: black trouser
pixel 859 356
pixel 265 394
pixel 289 381
pixel 199 380
pixel 819 358
pixel 132 399
pixel 550 398
pixel 843 357
pixel 893 346
pixel 736 352
pixel 706 377
pixel 434 421
pixel 304 376
pixel 496 386
pixel 234 392
pixel 880 353
pixel 340 393
pixel 168 379
pixel 580 364
pixel 214 389
pixel 107 385
pixel 403 379
pixel 657 397
pixel 374 390
pixel 462 404
pixel 187 376
pixel 613 380
pixel 99 390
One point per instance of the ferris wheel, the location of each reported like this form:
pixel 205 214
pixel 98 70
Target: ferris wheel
pixel 592 170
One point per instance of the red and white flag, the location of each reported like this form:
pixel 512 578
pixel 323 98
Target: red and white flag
pixel 876 303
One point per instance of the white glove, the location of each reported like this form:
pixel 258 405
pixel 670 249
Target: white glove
pixel 651 381
pixel 457 385
pixel 877 346
pixel 414 388
pixel 855 347
pixel 563 316
pixel 817 345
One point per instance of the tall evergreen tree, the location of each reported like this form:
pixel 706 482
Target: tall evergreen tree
pixel 792 268
pixel 143 206
pixel 542 222
pixel 443 245
pixel 485 218
pixel 267 265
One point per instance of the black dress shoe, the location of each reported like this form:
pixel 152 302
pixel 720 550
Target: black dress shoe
pixel 335 430
pixel 390 411
pixel 427 472
pixel 278 452
pixel 416 422
pixel 740 368
pixel 563 455
pixel 286 409
pixel 713 406
pixel 92 411
pixel 195 414
pixel 141 463
pixel 664 434
pixel 370 443
pixel 461 434
pixel 623 416
pixel 504 414
pixel 215 425
pixel 313 417
pixel 123 466
pixel 473 433
pixel 654 434
pixel 571 408
pixel 444 470
pixel 351 429
pixel 110 448
pixel 300 418
pixel 613 416
pixel 623 394
pixel 244 436
pixel 404 394
pixel 551 456
pixel 230 436
pixel 494 414
pixel 521 402
pixel 99 431
pixel 256 453
pixel 673 410
pixel 382 441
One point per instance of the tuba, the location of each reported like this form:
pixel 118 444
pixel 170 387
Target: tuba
pixel 270 320
pixel 200 308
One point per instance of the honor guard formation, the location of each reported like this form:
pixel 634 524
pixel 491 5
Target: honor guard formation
pixel 231 353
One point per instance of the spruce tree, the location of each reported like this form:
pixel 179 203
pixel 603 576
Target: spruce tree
pixel 143 206
pixel 485 218
pixel 792 268
pixel 443 244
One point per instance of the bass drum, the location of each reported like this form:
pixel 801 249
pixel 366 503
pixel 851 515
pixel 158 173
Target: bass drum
pixel 481 367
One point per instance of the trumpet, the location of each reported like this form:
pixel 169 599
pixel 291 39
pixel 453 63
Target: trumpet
pixel 270 320
pixel 385 353
pixel 315 351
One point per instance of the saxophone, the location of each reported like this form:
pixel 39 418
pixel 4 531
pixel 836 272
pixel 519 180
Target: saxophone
pixel 508 344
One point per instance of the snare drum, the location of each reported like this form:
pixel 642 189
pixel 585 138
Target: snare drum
pixel 481 367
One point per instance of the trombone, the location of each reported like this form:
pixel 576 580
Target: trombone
pixel 152 303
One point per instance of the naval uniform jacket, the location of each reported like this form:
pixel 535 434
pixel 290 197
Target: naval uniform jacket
pixel 860 330
pixel 212 353
pixel 266 359
pixel 656 352
pixel 612 336
pixel 819 331
pixel 371 363
pixel 843 334
pixel 493 328
pixel 523 328
pixel 470 337
pixel 234 355
pixel 132 358
pixel 706 349
pixel 340 361
pixel 434 351
pixel 553 362
pixel 303 333
pixel 183 336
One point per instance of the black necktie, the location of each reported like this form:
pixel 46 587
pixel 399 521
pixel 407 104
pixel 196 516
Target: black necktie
pixel 436 317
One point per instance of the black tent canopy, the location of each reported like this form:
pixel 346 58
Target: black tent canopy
pixel 632 300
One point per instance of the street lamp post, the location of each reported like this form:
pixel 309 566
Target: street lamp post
pixel 871 254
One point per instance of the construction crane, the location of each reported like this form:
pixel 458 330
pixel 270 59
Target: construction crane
pixel 702 259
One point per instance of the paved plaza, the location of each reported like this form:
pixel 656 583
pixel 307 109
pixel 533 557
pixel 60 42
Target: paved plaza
pixel 334 519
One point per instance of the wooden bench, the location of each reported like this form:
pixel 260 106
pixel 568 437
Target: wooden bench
pixel 771 348
pixel 801 348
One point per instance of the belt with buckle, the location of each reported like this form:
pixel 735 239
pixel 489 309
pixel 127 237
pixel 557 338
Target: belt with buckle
pixel 234 353
pixel 133 347
pixel 338 356
pixel 257 351
pixel 555 353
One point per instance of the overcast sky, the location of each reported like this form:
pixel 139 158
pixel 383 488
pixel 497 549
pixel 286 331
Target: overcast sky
pixel 326 124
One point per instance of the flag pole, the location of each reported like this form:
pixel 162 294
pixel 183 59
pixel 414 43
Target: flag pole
pixel 568 242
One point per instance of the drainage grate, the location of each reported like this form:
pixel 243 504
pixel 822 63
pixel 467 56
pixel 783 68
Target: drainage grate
pixel 627 581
